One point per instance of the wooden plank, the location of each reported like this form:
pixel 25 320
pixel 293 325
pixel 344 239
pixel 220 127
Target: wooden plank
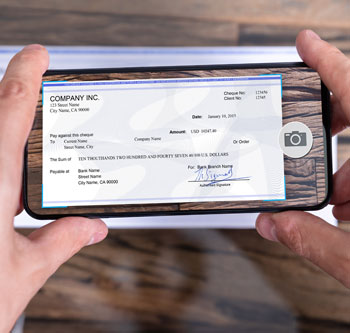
pixel 302 13
pixel 101 28
pixel 189 280
pixel 79 28
pixel 258 34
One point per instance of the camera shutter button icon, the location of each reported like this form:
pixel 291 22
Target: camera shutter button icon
pixel 295 139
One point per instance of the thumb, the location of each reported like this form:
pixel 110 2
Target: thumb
pixel 58 241
pixel 311 237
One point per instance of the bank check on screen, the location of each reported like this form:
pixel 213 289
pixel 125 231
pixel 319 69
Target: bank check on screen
pixel 162 141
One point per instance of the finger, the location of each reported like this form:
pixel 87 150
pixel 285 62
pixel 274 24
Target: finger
pixel 58 241
pixel 309 236
pixel 339 120
pixel 331 64
pixel 342 212
pixel 341 185
pixel 19 90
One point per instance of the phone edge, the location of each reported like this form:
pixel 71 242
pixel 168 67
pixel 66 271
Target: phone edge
pixel 326 120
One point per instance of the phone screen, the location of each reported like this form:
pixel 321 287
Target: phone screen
pixel 178 140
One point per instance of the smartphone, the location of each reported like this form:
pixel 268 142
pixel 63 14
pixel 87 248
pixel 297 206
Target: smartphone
pixel 179 140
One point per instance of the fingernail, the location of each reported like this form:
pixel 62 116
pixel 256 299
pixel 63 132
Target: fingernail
pixel 33 47
pixel 312 34
pixel 96 238
pixel 266 228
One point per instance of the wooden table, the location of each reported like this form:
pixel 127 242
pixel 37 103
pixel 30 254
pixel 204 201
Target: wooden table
pixel 184 280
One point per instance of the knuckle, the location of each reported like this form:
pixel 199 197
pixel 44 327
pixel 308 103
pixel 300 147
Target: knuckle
pixel 292 236
pixel 346 274
pixel 324 64
pixel 43 267
pixel 345 87
pixel 14 88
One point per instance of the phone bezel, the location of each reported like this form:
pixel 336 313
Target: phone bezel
pixel 326 120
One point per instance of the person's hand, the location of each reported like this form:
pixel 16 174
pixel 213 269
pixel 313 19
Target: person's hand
pixel 307 235
pixel 27 262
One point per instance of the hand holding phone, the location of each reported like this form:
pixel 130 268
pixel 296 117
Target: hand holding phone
pixel 309 236
pixel 326 246
pixel 27 262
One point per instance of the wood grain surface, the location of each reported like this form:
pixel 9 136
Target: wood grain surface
pixel 184 280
